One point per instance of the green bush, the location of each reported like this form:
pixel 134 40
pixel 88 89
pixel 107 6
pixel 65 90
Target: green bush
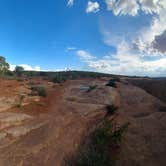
pixel 92 87
pixel 58 79
pixel 112 81
pixel 19 71
pixel 111 109
pixel 116 78
pixel 20 79
pixel 7 77
pixel 40 90
pixel 162 108
pixel 72 99
pixel 97 151
pixel 118 134
pixel 20 100
pixel 9 73
pixel 4 66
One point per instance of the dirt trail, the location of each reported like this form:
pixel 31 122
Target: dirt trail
pixel 49 136
pixel 145 141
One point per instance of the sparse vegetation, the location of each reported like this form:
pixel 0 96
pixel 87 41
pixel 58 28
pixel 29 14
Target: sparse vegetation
pixel 116 78
pixel 72 99
pixel 20 100
pixel 64 75
pixel 162 109
pixel 9 73
pixel 58 79
pixel 19 71
pixel 20 79
pixel 111 83
pixel 39 90
pixel 92 87
pixel 111 109
pixel 97 151
pixel 4 66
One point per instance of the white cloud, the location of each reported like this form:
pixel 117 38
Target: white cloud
pixel 130 56
pixel 92 7
pixel 145 40
pixel 149 6
pixel 147 36
pixel 70 3
pixel 123 7
pixel 12 67
pixel 84 55
pixel 37 68
pixel 127 63
pixel 26 67
pixel 131 7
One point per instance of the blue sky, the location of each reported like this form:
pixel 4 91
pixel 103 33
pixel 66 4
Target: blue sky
pixel 105 35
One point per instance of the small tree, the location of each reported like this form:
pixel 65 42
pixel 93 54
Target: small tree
pixel 18 70
pixel 4 66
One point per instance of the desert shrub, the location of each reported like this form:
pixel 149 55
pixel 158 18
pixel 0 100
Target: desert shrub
pixel 111 83
pixel 111 109
pixel 162 108
pixel 116 78
pixel 40 90
pixel 92 87
pixel 58 79
pixel 20 79
pixel 31 83
pixel 118 134
pixel 97 151
pixel 9 73
pixel 7 77
pixel 20 100
pixel 72 99
pixel 19 71
pixel 4 66
pixel 29 73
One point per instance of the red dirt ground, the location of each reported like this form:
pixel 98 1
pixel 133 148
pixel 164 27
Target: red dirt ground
pixel 145 141
pixel 43 132
pixel 57 127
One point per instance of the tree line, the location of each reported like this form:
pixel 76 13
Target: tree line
pixel 4 68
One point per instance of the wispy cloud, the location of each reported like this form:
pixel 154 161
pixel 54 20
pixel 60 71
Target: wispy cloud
pixel 70 49
pixel 70 3
pixel 84 55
